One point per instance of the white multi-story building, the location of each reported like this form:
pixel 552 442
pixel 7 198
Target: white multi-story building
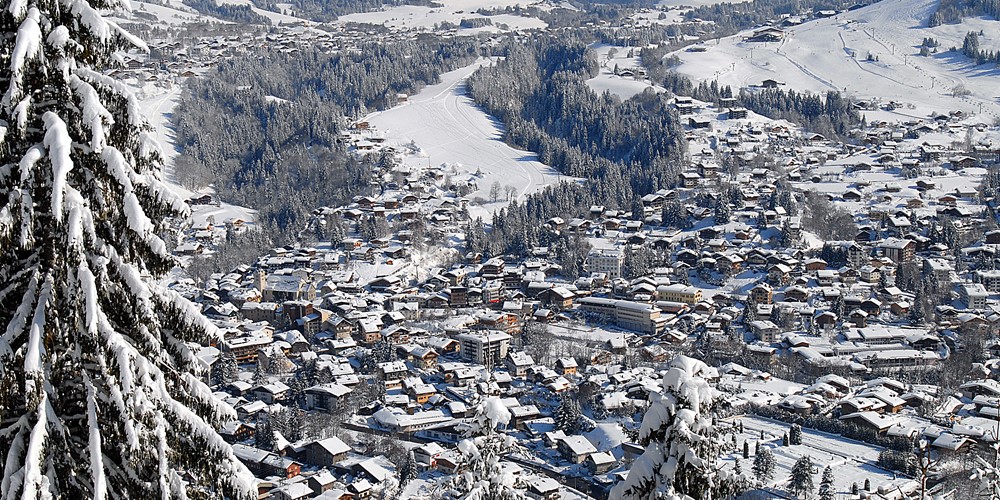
pixel 488 348
pixel 990 279
pixel 974 295
pixel 679 292
pixel 606 260
pixel 635 316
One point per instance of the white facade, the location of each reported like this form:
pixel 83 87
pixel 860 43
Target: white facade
pixel 606 260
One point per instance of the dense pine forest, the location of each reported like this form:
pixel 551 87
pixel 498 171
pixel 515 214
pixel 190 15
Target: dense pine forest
pixel 265 129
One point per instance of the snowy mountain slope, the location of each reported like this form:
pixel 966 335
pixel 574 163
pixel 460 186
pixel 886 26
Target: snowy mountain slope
pixel 449 128
pixel 451 11
pixel 830 54
pixel 423 18
pixel 173 15
pixel 275 17
pixel 606 80
pixel 157 108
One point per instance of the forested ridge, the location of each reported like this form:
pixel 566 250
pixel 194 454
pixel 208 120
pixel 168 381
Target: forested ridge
pixel 622 150
pixel 953 11
pixel 539 93
pixel 265 129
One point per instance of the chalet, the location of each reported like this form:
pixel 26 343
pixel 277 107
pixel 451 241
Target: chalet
pixel 566 366
pixel 600 463
pixel 264 463
pixel 543 488
pixel 699 122
pixel 963 162
pixel 898 250
pixel 768 34
pixel 779 274
pixel 762 294
pixel 575 448
pixel 796 293
pixel 325 452
pixel 270 393
pixel 558 297
pixel 325 396
pixel 765 330
pixel 870 420
pixel 518 363
pixel 236 431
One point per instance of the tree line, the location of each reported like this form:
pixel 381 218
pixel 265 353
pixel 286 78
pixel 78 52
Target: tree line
pixel 266 129
pixel 539 93
pixel 953 11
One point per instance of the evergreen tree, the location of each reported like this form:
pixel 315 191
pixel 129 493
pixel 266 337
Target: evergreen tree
pixel 259 376
pixel 723 212
pixel 682 445
pixel 763 466
pixel 569 414
pixel 746 449
pixel 795 434
pixel 408 471
pixel 263 433
pixel 826 488
pixel 482 450
pixel 100 394
pixel 800 482
pixel 225 370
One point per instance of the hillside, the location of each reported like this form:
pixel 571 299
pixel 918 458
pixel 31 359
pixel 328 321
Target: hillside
pixel 832 54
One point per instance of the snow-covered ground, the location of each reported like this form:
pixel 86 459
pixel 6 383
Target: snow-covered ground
pixel 274 17
pixel 157 105
pixel 830 54
pixel 851 461
pixel 622 86
pixel 450 129
pixel 169 15
pixel 417 17
pixel 693 3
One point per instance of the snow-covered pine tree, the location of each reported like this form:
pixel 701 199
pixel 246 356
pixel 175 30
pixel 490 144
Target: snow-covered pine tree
pixel 408 471
pixel 264 432
pixel 800 482
pixel 827 490
pixel 682 445
pixel 569 414
pixel 483 478
pixel 763 466
pixel 795 434
pixel 225 370
pixel 100 393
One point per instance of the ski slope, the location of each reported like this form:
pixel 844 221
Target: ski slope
pixel 417 17
pixel 157 106
pixel 830 54
pixel 450 129
pixel 607 80
pixel 168 15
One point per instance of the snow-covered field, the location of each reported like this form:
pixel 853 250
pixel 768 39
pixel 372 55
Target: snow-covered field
pixel 157 105
pixel 851 461
pixel 415 17
pixel 274 17
pixel 450 129
pixel 622 86
pixel 830 54
pixel 173 15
